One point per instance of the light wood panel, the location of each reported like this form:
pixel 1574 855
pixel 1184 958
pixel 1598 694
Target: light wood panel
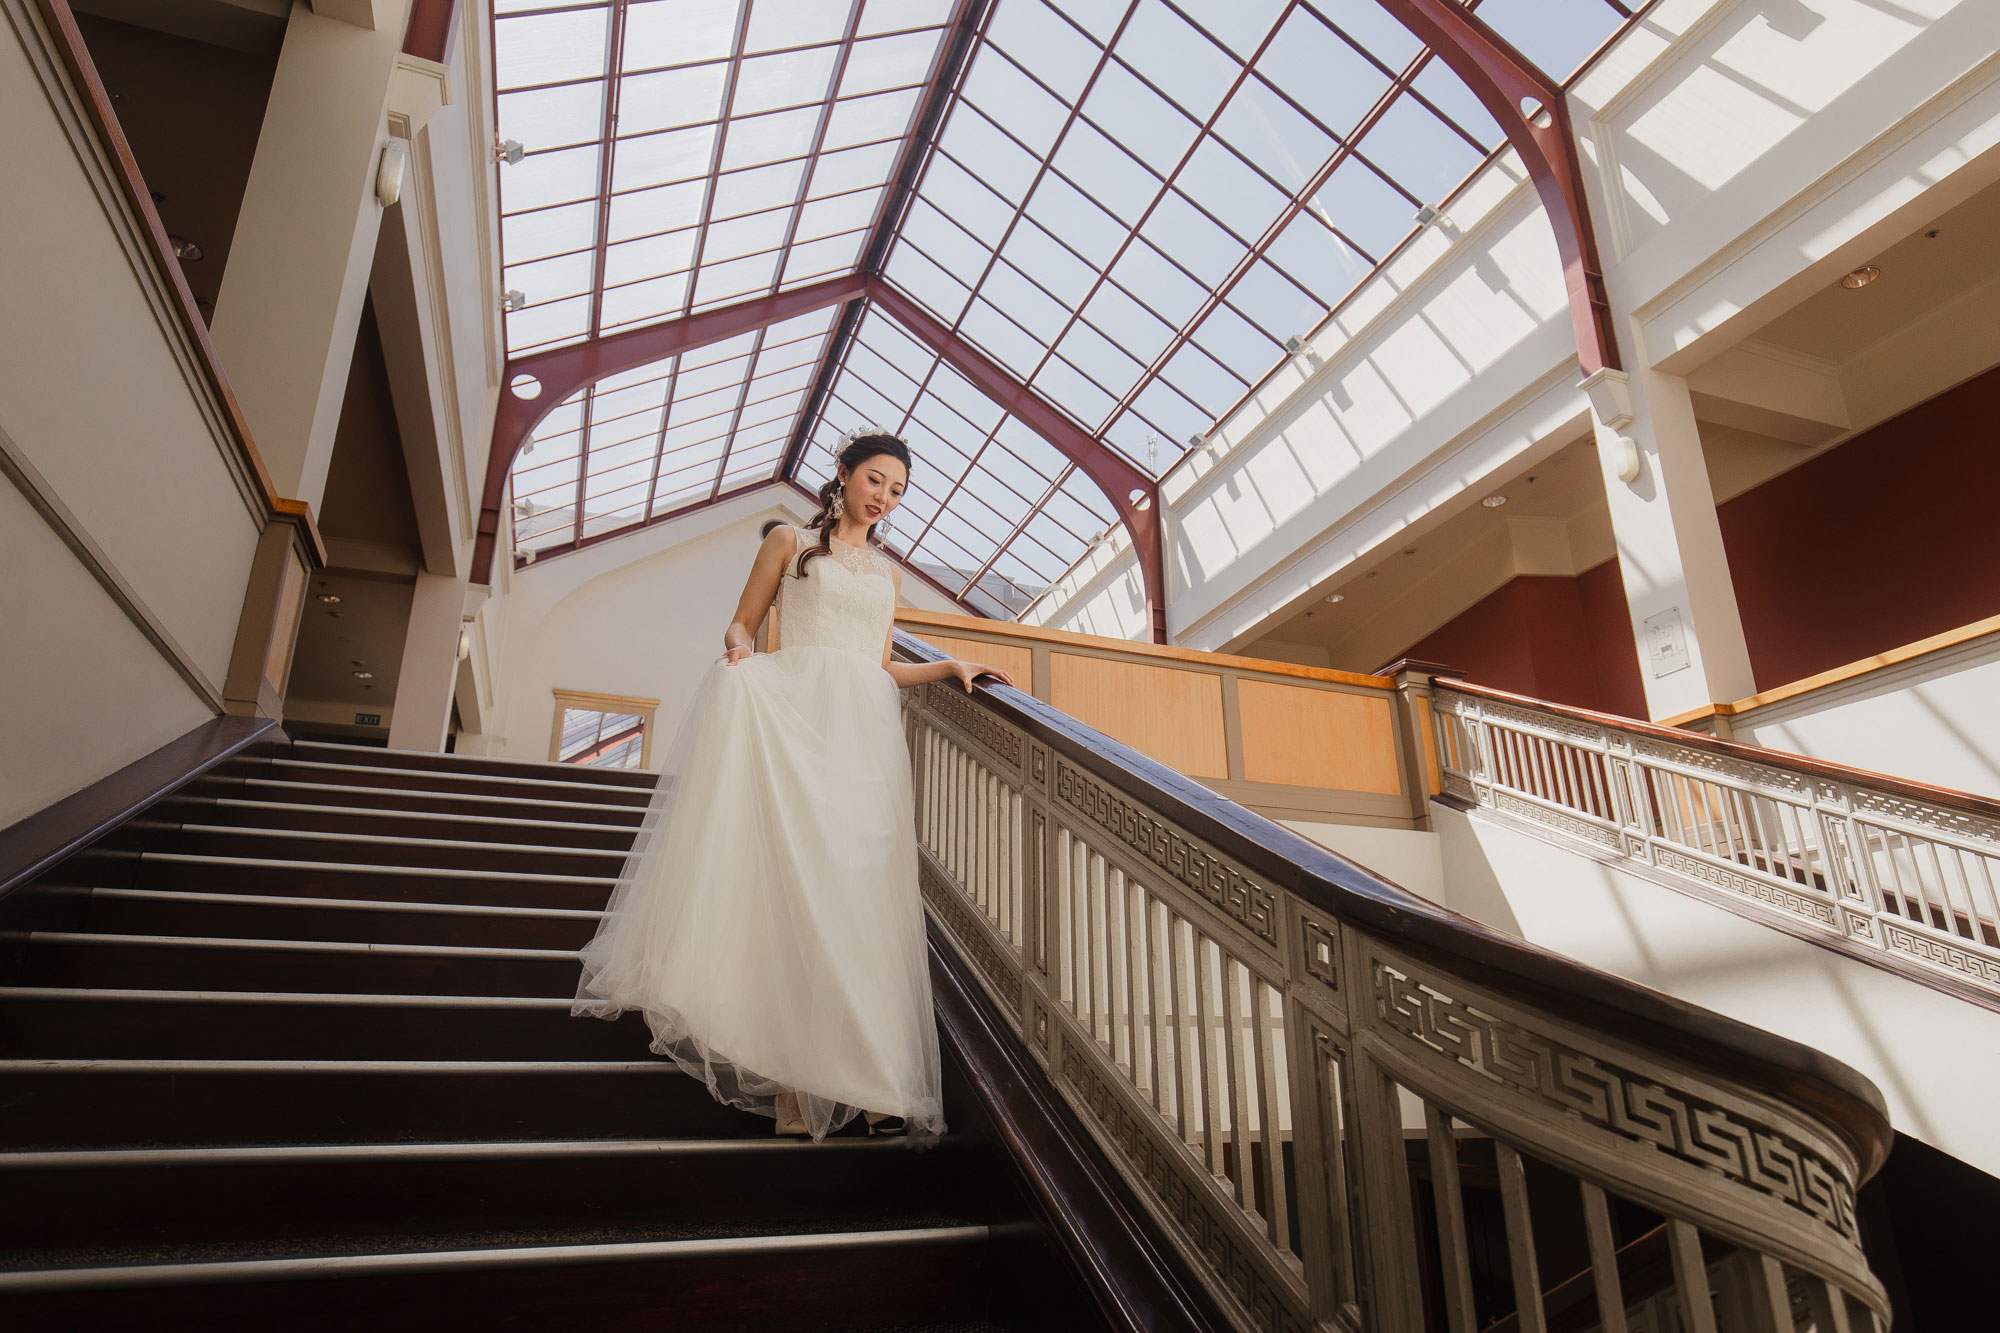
pixel 1317 738
pixel 913 620
pixel 1015 660
pixel 1168 713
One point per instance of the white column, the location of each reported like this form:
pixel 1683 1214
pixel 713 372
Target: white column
pixel 299 261
pixel 1683 605
pixel 428 678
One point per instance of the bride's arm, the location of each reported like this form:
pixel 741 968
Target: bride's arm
pixel 908 674
pixel 759 591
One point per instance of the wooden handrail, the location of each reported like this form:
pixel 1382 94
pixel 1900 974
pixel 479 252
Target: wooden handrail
pixel 1164 652
pixel 1944 797
pixel 124 165
pixel 1769 1063
pixel 1841 675
pixel 33 846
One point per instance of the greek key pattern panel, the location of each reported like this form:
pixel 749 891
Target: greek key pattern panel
pixel 1250 903
pixel 969 719
pixel 1768 892
pixel 973 935
pixel 1567 1081
pixel 1915 814
pixel 1556 819
pixel 1934 952
pixel 1165 1172
pixel 1731 772
pixel 1546 725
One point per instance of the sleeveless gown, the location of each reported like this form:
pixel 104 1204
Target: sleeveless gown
pixel 767 921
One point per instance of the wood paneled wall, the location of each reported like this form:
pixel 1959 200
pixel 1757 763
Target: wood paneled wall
pixel 1287 740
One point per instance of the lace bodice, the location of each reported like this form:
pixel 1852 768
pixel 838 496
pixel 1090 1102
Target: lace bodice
pixel 847 599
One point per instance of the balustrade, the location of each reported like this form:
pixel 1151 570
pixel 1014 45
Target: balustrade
pixel 1350 1109
pixel 1902 874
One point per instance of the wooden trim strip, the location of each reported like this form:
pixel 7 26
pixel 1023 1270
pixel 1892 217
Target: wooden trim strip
pixel 1847 1100
pixel 36 844
pixel 1983 806
pixel 96 104
pixel 14 465
pixel 1165 652
pixel 1135 1275
pixel 1840 675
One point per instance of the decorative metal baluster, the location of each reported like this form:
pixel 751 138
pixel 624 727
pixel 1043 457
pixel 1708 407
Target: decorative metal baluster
pixel 1274 1098
pixel 1205 1006
pixel 1183 990
pixel 1232 1050
pixel 1457 1270
pixel 1603 1244
pixel 1159 976
pixel 1691 1276
pixel 1527 1274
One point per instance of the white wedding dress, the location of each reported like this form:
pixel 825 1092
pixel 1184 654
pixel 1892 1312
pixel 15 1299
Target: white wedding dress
pixel 767 921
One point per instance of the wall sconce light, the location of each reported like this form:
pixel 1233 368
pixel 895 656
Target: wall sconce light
pixel 389 175
pixel 1625 457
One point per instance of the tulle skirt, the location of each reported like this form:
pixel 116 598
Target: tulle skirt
pixel 767 922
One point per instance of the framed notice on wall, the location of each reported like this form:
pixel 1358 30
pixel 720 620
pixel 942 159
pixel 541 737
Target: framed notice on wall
pixel 1666 642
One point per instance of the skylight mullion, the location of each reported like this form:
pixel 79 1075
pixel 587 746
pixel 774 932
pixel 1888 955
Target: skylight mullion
pixel 1034 509
pixel 660 436
pixel 750 364
pixel 736 58
pixel 613 84
pixel 582 463
pixel 958 482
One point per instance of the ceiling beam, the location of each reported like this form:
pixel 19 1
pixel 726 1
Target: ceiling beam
pixel 562 371
pixel 1131 492
pixel 1506 83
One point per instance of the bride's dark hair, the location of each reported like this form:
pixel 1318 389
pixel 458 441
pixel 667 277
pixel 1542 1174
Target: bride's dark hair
pixel 859 450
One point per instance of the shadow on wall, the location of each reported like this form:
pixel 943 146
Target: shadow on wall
pixel 1568 640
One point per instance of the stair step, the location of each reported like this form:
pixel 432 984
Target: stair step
pixel 300 878
pixel 83 959
pixel 323 1196
pixel 95 1103
pixel 136 1023
pixel 393 849
pixel 372 756
pixel 793 1281
pixel 430 779
pixel 363 920
pixel 566 834
pixel 434 801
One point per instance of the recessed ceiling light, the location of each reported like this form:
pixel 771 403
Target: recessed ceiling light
pixel 1336 597
pixel 1494 501
pixel 184 249
pixel 364 675
pixel 1409 550
pixel 1861 277
pixel 330 598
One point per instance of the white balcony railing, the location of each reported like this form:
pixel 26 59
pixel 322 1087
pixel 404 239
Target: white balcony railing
pixel 1906 876
pixel 1351 1109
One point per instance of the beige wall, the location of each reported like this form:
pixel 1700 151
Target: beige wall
pixel 106 416
pixel 86 692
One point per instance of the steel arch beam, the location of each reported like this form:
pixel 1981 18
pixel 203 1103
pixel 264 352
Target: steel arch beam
pixel 1132 493
pixel 564 370
pixel 1504 80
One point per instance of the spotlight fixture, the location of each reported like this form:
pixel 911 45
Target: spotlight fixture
pixel 514 300
pixel 1294 343
pixel 509 151
pixel 1427 215
pixel 1334 597
pixel 364 675
pixel 184 250
pixel 1197 441
pixel 1861 277
pixel 1494 501
pixel 330 598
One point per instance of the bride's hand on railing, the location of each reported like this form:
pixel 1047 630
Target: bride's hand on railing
pixel 967 672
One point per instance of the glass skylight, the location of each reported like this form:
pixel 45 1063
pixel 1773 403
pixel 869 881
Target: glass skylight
pixel 1129 206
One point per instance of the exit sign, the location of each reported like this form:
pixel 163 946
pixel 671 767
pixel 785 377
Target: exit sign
pixel 367 719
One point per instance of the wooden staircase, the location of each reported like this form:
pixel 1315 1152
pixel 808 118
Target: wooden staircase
pixel 294 1050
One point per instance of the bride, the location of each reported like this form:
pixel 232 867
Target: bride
pixel 767 921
